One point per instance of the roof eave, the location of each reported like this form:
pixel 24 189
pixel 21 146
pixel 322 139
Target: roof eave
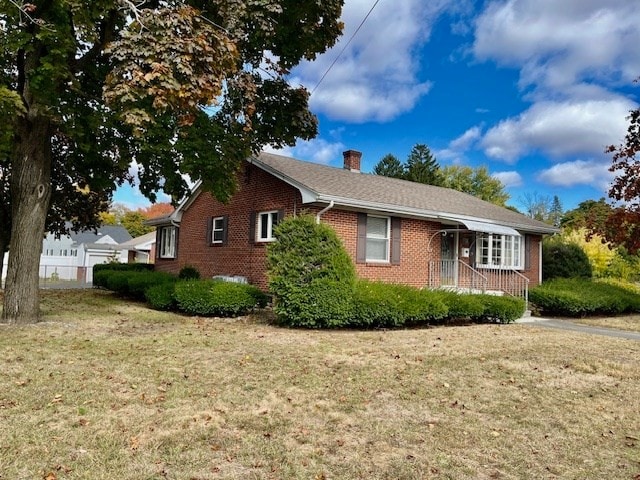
pixel 429 214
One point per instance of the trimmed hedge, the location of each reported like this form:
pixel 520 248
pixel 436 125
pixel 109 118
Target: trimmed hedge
pixel 579 298
pixel 128 267
pixel 217 298
pixel 161 297
pixel 377 304
pixel 140 282
pixel 501 309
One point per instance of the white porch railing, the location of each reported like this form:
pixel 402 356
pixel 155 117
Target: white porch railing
pixel 458 275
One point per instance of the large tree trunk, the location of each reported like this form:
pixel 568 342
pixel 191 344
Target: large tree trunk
pixel 30 196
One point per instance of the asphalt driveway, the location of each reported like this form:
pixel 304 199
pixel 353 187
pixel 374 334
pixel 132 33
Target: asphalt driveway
pixel 575 327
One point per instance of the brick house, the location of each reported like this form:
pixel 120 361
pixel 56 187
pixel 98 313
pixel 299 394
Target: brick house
pixel 395 230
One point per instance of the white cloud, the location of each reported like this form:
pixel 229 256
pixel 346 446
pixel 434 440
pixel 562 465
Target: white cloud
pixel 560 128
pixel 376 78
pixel 316 150
pixel 558 43
pixel 467 139
pixel 509 179
pixel 579 172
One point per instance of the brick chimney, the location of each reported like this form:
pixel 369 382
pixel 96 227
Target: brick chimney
pixel 352 160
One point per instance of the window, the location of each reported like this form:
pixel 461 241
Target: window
pixel 218 230
pixel 377 249
pixel 266 222
pixel 500 251
pixel 167 240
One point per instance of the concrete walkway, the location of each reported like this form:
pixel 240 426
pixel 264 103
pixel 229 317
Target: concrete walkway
pixel 575 327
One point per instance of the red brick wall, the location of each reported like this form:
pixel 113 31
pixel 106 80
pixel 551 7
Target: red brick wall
pixel 259 191
pixel 414 252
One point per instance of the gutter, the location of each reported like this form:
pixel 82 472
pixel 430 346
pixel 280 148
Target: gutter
pixel 323 211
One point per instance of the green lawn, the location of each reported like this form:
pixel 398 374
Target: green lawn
pixel 105 389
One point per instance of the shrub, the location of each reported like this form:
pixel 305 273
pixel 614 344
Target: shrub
pixel 310 274
pixel 215 298
pixel 129 267
pixel 378 304
pixel 161 297
pixel 501 309
pixel 463 306
pixel 100 278
pixel 118 281
pixel 140 281
pixel 578 298
pixel 189 272
pixel 375 304
pixel 564 260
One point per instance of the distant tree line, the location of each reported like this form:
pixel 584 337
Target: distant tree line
pixel 421 166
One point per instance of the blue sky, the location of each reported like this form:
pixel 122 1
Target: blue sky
pixel 533 89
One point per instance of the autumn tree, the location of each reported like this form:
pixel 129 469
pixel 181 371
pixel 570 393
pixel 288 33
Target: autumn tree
pixel 421 166
pixel 156 210
pixel 624 222
pixel 589 214
pixel 474 181
pixel 389 166
pixel 89 86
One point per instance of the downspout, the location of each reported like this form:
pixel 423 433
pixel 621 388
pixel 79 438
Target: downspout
pixel 323 211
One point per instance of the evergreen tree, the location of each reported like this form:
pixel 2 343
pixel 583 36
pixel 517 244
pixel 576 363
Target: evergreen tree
pixel 555 212
pixel 422 166
pixel 389 166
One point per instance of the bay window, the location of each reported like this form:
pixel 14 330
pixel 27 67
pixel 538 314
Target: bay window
pixel 500 251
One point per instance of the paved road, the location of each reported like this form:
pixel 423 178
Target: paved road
pixel 575 327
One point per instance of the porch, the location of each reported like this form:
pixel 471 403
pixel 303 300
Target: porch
pixel 458 275
pixel 500 255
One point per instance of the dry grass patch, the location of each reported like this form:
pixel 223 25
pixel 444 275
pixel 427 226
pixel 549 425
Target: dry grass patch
pixel 626 322
pixel 106 389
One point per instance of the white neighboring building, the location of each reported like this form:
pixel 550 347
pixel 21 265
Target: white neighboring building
pixel 71 257
pixel 141 249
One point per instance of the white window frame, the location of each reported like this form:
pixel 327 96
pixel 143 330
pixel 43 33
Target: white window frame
pixel 501 252
pixel 271 218
pixel 214 230
pixel 378 238
pixel 167 242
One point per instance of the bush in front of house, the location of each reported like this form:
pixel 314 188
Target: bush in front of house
pixel 140 281
pixel 189 272
pixel 118 281
pixel 126 267
pixel 564 260
pixel 161 297
pixel 217 298
pixel 311 275
pixel 500 309
pixel 579 298
pixel 378 304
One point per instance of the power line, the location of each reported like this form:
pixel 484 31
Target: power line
pixel 345 47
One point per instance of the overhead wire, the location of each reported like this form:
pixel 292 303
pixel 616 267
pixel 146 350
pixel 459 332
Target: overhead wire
pixel 345 46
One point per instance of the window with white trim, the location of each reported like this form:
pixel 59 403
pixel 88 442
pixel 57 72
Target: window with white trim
pixel 217 230
pixel 167 237
pixel 500 251
pixel 266 222
pixel 378 234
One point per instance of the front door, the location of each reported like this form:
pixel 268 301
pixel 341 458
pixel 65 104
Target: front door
pixel 449 260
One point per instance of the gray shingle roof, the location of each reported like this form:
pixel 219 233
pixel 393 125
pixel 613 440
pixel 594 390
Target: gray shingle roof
pixel 374 192
pixel 117 232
